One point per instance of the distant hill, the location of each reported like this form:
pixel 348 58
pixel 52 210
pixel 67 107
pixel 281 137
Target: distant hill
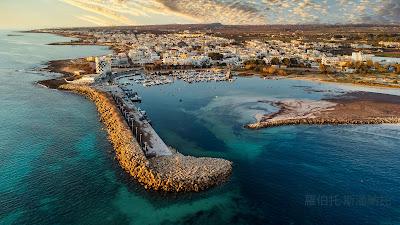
pixel 218 27
pixel 353 32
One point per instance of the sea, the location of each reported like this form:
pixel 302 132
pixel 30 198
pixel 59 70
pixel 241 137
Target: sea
pixel 58 167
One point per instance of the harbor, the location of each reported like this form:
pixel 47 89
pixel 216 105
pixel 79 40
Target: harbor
pixel 127 100
pixel 139 123
pixel 251 112
pixel 148 79
pixel 139 149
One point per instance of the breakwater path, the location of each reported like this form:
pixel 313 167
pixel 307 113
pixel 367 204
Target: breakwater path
pixel 172 172
pixel 141 128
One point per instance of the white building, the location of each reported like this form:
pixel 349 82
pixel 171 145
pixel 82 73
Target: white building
pixel 325 60
pixel 200 60
pixel 390 44
pixel 120 60
pixel 143 56
pixel 235 61
pixel 360 57
pixel 103 65
pixel 136 55
pixel 360 46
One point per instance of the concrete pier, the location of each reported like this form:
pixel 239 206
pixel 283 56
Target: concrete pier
pixel 147 137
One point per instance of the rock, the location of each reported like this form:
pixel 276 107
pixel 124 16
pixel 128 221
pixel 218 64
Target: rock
pixel 174 173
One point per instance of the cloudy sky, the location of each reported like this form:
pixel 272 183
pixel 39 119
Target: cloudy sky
pixel 60 13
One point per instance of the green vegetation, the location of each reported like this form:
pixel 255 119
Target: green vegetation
pixel 259 66
pixel 370 67
pixel 388 54
pixel 254 64
pixel 215 56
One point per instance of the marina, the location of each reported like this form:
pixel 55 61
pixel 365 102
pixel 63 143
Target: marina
pixel 148 79
pixel 137 119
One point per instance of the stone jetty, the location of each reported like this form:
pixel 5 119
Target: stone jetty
pixel 173 173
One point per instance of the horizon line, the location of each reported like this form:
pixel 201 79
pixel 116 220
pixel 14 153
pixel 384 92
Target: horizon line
pixel 220 24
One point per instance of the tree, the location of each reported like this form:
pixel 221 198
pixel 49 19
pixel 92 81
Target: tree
pixel 337 36
pixel 397 66
pixel 323 68
pixel 286 61
pixel 282 73
pixel 269 70
pixel 250 64
pixel 370 64
pixel 357 65
pixel 379 67
pixel 215 56
pixel 275 61
pixel 349 64
pixel 293 62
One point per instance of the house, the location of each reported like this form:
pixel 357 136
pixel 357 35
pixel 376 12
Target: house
pixel 103 65
pixel 120 60
pixel 360 57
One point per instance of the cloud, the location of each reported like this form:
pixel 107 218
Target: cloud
pixel 223 11
pixel 124 12
pixel 101 8
pixel 95 20
pixel 386 12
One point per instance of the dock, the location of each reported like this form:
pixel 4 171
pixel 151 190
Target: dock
pixel 152 145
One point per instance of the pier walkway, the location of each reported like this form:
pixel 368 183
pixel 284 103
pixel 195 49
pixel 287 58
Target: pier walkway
pixel 146 136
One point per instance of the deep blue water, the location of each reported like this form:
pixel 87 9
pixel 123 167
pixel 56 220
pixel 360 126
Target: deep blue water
pixel 57 167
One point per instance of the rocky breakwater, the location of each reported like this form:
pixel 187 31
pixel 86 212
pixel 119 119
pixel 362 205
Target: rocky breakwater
pixel 175 173
pixel 350 108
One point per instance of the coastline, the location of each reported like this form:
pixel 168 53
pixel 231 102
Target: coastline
pixel 175 173
pixel 319 80
pixel 81 41
pixel 350 108
pixel 65 68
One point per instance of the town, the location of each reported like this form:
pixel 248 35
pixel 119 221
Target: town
pixel 209 56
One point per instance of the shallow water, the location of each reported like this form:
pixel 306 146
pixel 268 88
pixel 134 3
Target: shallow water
pixel 57 167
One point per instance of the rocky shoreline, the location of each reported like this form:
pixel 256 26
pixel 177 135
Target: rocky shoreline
pixel 350 108
pixel 175 173
pixel 320 121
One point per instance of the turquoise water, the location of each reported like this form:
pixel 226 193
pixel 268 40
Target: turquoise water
pixel 57 167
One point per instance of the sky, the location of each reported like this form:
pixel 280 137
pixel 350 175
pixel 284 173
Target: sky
pixel 23 14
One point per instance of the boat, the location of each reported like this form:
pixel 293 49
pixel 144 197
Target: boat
pixel 136 99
